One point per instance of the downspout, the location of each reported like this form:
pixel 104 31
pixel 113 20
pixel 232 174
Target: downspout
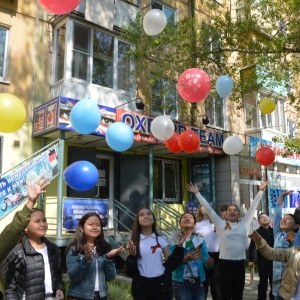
pixel 193 44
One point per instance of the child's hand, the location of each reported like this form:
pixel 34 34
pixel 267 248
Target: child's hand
pixel 193 255
pixel 210 261
pixel 114 252
pixel 132 248
pixel 60 294
pixel 192 188
pixel 255 237
pixel 182 240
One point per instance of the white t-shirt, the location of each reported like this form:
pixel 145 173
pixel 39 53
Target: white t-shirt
pixel 151 263
pixel 207 231
pixel 48 280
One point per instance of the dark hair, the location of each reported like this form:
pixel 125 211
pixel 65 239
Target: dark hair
pixel 224 207
pixel 79 241
pixel 136 231
pixel 199 217
pixel 188 213
pixel 295 218
pixel 262 214
pixel 234 206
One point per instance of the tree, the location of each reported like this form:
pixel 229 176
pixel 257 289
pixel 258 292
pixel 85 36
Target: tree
pixel 256 43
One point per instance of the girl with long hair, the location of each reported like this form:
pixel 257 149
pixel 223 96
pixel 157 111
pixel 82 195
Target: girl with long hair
pixel 151 276
pixel 90 260
pixel 207 230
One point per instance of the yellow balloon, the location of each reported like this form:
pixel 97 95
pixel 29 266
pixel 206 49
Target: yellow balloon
pixel 12 113
pixel 267 105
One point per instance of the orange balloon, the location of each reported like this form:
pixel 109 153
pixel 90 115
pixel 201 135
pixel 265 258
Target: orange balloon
pixel 267 105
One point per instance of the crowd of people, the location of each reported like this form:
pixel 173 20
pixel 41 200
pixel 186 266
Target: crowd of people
pixel 208 254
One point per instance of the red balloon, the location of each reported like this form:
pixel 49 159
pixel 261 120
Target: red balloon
pixel 193 85
pixel 172 143
pixel 59 7
pixel 265 156
pixel 189 141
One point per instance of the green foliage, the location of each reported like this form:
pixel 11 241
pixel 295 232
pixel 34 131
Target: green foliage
pixel 291 145
pixel 119 290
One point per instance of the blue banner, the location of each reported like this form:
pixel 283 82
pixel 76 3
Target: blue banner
pixel 75 208
pixel 13 187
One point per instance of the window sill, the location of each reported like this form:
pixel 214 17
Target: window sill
pixel 4 82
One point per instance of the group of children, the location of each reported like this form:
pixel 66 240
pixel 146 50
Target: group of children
pixel 210 252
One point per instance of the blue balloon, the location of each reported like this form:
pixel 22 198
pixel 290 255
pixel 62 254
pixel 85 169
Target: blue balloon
pixel 85 116
pixel 81 175
pixel 119 136
pixel 224 85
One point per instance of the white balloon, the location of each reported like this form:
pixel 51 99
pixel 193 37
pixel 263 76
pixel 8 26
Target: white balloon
pixel 162 128
pixel 154 21
pixel 232 145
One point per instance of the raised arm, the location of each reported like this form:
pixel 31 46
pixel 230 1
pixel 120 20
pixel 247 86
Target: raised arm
pixel 211 213
pixel 250 213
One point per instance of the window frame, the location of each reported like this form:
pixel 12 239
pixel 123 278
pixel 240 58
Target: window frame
pixel 212 110
pixel 3 76
pixel 69 54
pixel 177 176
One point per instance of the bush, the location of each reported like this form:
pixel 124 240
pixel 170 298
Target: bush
pixel 119 290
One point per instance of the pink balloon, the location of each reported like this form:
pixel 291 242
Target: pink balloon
pixel 194 85
pixel 59 7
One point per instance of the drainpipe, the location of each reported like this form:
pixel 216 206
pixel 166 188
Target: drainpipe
pixel 150 180
pixel 60 185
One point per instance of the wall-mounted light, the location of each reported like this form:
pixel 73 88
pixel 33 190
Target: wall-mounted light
pixel 139 104
pixel 205 120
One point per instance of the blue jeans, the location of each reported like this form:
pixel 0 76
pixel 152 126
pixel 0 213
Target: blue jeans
pixel 188 290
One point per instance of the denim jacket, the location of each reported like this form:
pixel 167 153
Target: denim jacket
pixel 177 275
pixel 83 275
pixel 279 242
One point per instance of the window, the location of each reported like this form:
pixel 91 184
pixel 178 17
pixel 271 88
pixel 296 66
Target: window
pixel 60 52
pixel 170 13
pixel 275 120
pixel 215 111
pixel 164 98
pixel 291 128
pixel 166 180
pixel 100 58
pixel 251 112
pixel 3 52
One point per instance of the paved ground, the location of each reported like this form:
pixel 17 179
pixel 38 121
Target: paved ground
pixel 250 291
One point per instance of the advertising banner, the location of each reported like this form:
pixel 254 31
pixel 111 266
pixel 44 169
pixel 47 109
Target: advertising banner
pixel 13 184
pixel 279 182
pixel 75 208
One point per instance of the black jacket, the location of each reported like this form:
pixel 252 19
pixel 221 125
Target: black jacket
pixel 24 271
pixel 267 234
pixel 173 261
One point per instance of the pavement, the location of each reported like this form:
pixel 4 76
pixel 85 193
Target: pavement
pixel 250 291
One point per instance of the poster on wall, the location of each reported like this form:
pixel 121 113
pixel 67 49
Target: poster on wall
pixel 279 182
pixel 201 176
pixel 13 184
pixel 75 208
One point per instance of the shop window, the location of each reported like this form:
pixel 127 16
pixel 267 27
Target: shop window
pixel 164 98
pixel 4 32
pixel 166 178
pixel 215 111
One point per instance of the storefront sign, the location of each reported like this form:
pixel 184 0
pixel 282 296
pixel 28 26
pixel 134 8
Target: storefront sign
pixel 279 182
pixel 13 187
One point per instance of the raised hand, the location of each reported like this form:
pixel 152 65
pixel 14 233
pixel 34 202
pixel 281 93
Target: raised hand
pixel 192 188
pixel 255 237
pixel 193 255
pixel 263 185
pixel 114 252
pixel 35 189
pixel 132 248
